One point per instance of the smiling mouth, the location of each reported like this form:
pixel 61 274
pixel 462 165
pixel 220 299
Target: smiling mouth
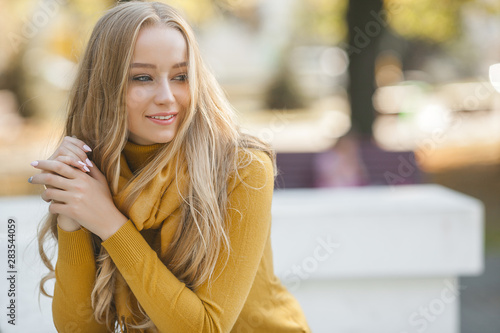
pixel 163 120
pixel 161 117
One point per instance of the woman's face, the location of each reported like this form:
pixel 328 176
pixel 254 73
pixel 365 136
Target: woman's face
pixel 158 92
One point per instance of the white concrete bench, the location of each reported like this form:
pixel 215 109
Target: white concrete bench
pixel 358 260
pixel 377 259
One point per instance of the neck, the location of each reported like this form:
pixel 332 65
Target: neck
pixel 137 156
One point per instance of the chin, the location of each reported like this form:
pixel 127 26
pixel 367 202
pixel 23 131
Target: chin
pixel 163 140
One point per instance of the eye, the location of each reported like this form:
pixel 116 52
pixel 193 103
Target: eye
pixel 142 78
pixel 181 77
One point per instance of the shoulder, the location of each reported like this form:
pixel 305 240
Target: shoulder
pixel 256 169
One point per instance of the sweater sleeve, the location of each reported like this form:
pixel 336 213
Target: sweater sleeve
pixel 75 275
pixel 168 302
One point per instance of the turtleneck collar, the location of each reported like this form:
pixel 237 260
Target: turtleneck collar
pixel 137 155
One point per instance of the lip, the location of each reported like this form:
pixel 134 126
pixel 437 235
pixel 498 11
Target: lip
pixel 160 114
pixel 162 121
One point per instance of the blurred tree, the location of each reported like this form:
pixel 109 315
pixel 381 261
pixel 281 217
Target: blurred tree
pixel 12 48
pixel 283 92
pixel 365 28
pixel 428 22
pixel 425 23
pixel 55 26
pixel 13 78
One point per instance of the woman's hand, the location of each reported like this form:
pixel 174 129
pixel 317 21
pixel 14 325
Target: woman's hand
pixel 72 152
pixel 83 197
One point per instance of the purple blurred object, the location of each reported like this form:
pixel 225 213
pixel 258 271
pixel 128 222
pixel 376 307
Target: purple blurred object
pixel 351 162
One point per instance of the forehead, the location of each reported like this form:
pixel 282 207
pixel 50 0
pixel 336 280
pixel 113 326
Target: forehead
pixel 160 44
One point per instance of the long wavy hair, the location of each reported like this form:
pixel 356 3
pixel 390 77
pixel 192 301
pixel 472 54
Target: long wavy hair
pixel 209 138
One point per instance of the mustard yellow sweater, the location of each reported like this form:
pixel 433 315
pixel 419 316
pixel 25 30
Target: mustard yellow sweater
pixel 246 297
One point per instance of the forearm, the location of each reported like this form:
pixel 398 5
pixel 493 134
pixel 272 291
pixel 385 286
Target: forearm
pixel 75 275
pixel 67 224
pixel 166 300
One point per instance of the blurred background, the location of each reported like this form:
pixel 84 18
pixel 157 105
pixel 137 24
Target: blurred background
pixel 350 93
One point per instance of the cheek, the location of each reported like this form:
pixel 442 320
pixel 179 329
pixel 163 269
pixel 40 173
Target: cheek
pixel 135 97
pixel 185 98
pixel 135 100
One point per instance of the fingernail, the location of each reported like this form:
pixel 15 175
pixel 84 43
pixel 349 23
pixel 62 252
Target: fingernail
pixel 84 166
pixel 30 179
pixel 34 163
pixel 87 148
pixel 89 163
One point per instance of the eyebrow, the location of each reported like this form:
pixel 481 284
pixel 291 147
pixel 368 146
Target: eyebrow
pixel 142 65
pixel 181 64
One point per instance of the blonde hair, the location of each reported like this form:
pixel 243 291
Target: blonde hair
pixel 209 138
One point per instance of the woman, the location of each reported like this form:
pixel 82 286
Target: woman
pixel 161 206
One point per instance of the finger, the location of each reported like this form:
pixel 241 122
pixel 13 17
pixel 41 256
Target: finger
pixel 51 179
pixel 73 150
pixel 55 167
pixel 77 142
pixel 71 146
pixel 74 162
pixel 46 187
pixel 56 207
pixel 49 186
pixel 55 194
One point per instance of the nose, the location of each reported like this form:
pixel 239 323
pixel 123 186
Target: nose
pixel 164 94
